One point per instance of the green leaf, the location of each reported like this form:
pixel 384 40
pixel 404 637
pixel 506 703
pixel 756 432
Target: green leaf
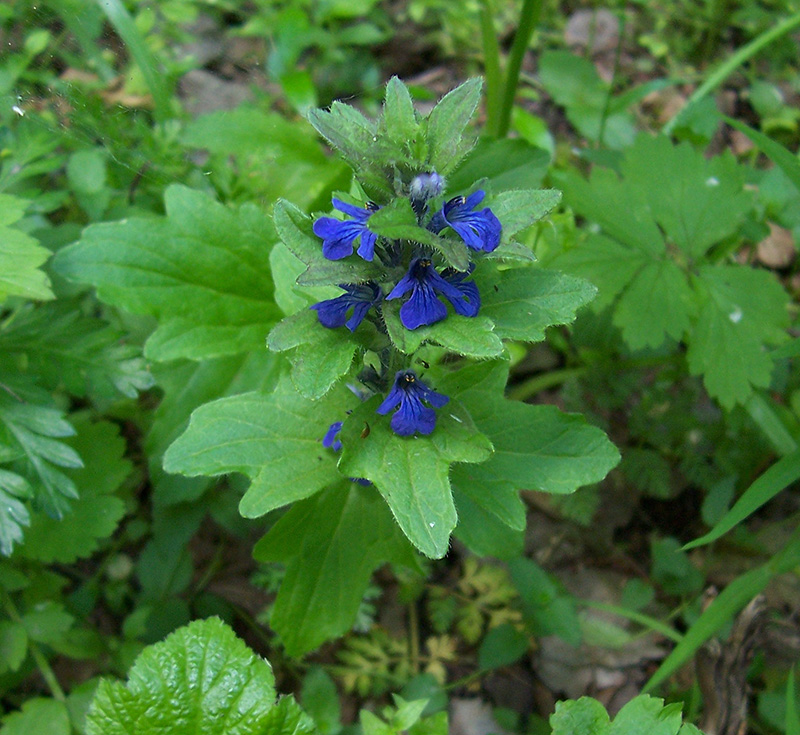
pixel 658 303
pixel 38 716
pixel 356 139
pixel 605 263
pixel 28 437
pixel 784 159
pixel 517 210
pixel 446 125
pixel 62 347
pixel 274 439
pixel 13 514
pixel 261 143
pixel 619 208
pixel 698 202
pixel 186 386
pixel 399 117
pixel 202 678
pixel 170 268
pixel 96 512
pixel 502 646
pixel 326 573
pixel 319 356
pixel 20 256
pixel 536 447
pixel 47 623
pixel 547 608
pixel 584 716
pixel 13 645
pixel 412 473
pixel 725 606
pixel 505 164
pixel 740 310
pixel 471 336
pixel 295 229
pixel 482 531
pixel 778 477
pixel 525 301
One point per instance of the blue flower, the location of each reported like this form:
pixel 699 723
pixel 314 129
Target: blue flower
pixel 479 230
pixel 407 395
pixel 423 306
pixel 338 236
pixel 360 298
pixel 330 440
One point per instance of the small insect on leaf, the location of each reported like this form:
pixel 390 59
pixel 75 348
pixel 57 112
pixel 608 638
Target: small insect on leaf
pixel 365 431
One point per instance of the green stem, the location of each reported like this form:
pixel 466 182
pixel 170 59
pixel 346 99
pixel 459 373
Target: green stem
pixel 155 79
pixel 38 657
pixel 528 20
pixel 413 636
pixel 491 68
pixel 607 105
pixel 538 383
pixel 729 66
pixel 636 617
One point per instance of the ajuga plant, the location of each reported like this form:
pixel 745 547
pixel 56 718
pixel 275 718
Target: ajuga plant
pixel 389 427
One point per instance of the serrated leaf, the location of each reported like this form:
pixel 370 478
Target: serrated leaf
pixel 470 336
pixel 38 716
pixel 697 201
pixel 658 303
pixel 446 125
pixel 20 256
pixel 96 512
pixel 517 210
pixel 412 473
pixel 28 434
pixel 525 301
pixel 604 263
pixel 535 447
pixel 186 386
pixel 326 573
pixel 319 356
pixel 202 678
pixel 356 139
pixel 295 229
pixel 274 439
pixel 740 309
pixel 13 513
pixel 620 209
pixel 64 348
pixel 170 268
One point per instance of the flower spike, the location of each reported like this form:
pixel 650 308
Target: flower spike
pixel 407 395
pixel 332 313
pixel 338 236
pixel 425 284
pixel 479 230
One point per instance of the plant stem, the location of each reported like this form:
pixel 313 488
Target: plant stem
pixel 729 66
pixel 491 68
pixel 413 636
pixel 538 383
pixel 607 105
pixel 38 657
pixel 528 20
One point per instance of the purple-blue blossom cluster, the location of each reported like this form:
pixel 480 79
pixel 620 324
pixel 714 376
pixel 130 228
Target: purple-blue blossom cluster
pixel 411 273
